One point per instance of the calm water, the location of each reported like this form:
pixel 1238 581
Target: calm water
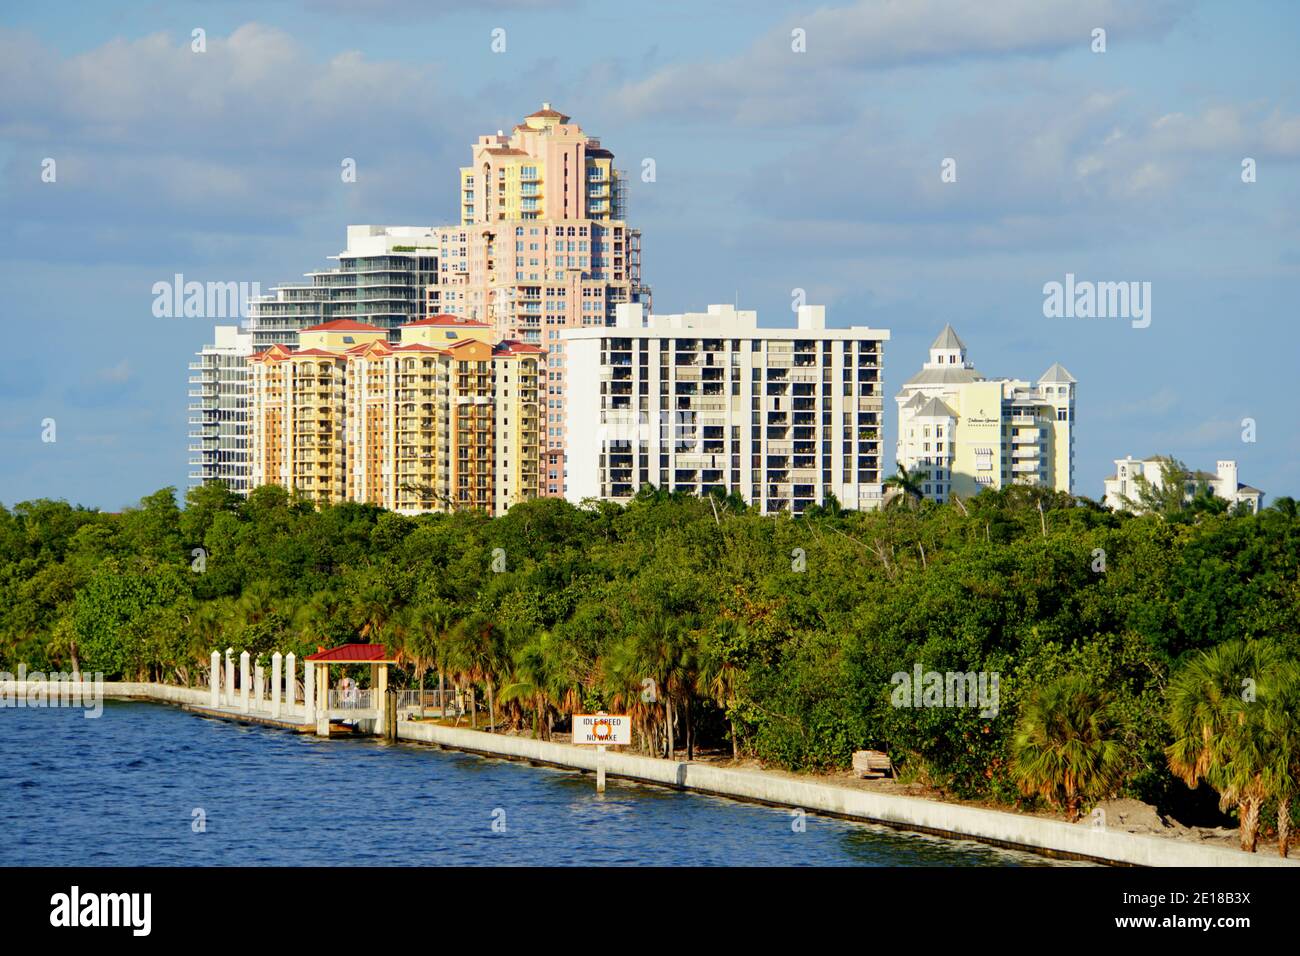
pixel 122 790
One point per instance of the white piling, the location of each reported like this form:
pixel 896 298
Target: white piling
pixel 276 686
pixel 309 691
pixel 214 680
pixel 230 677
pixel 290 682
pixel 259 687
pixel 243 681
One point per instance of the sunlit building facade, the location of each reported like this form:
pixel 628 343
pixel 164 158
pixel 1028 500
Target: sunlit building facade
pixel 960 432
pixel 445 419
pixel 706 401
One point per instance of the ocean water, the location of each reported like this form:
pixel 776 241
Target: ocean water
pixel 151 785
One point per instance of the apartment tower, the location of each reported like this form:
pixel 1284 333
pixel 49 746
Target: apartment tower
pixel 218 419
pixel 446 419
pixel 708 400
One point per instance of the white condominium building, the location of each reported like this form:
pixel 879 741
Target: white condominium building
pixel 959 432
pixel 380 280
pixel 219 440
pixel 707 400
pixel 1124 486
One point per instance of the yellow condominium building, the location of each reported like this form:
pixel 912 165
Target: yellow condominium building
pixel 959 432
pixel 445 419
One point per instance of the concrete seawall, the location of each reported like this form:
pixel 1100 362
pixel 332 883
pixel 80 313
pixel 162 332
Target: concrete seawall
pixel 1052 837
pixel 911 813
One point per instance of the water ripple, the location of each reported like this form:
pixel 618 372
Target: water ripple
pixel 126 789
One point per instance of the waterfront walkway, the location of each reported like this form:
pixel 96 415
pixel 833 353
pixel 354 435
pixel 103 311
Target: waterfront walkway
pixel 1015 830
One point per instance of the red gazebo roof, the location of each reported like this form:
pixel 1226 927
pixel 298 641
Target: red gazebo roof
pixel 353 654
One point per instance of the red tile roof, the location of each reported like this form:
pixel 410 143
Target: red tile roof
pixel 515 347
pixel 444 319
pixel 352 654
pixel 548 113
pixel 343 325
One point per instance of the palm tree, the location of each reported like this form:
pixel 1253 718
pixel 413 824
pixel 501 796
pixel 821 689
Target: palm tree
pixel 1239 772
pixel 531 680
pixel 428 645
pixel 1285 505
pixel 398 633
pixel 1281 727
pixel 624 667
pixel 255 603
pixel 908 485
pixel 720 673
pixel 372 607
pixel 477 657
pixel 313 619
pixel 1067 747
pixel 1216 725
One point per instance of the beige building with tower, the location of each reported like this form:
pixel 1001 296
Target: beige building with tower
pixel 960 432
pixel 543 245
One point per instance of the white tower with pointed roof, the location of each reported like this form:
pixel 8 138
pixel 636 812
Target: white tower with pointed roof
pixel 947 350
pixel 960 432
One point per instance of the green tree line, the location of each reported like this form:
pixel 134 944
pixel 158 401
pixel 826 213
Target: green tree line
pixel 1121 641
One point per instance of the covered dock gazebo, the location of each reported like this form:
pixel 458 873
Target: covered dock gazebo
pixel 375 655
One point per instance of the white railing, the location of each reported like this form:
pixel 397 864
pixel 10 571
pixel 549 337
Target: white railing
pixel 430 700
pixel 354 698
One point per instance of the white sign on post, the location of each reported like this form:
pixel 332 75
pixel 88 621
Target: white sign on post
pixel 602 729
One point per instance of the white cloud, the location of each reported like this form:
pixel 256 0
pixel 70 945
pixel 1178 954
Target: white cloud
pixel 769 84
pixel 116 374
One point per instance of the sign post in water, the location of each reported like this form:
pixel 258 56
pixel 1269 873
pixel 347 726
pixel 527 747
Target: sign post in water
pixel 600 730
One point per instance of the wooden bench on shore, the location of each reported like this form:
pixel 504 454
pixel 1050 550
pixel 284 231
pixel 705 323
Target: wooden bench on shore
pixel 872 764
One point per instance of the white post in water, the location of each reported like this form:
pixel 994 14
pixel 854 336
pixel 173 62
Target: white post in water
pixel 259 687
pixel 276 686
pixel 243 681
pixel 600 768
pixel 323 700
pixel 214 680
pixel 290 682
pixel 309 692
pixel 230 677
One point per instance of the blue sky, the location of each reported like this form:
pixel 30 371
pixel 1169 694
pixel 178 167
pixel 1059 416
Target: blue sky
pixel 775 171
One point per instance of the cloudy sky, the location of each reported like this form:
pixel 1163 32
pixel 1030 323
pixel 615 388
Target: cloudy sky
pixel 775 171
